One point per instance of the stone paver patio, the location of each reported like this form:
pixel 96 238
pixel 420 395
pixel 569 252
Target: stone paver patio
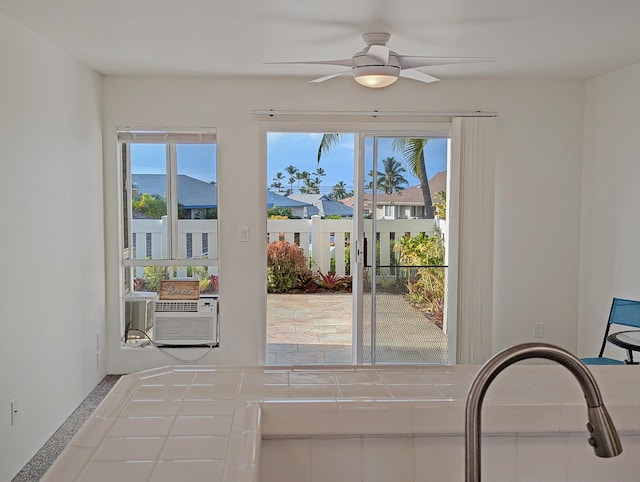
pixel 310 329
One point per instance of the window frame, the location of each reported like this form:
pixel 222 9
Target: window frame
pixel 171 138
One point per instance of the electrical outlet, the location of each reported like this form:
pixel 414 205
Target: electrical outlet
pixel 538 330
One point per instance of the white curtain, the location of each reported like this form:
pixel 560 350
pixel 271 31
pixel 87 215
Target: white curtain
pixel 472 212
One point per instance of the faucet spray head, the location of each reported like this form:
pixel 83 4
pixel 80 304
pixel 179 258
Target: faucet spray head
pixel 603 436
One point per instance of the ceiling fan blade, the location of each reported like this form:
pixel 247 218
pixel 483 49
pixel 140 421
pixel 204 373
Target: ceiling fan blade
pixel 380 52
pixel 343 62
pixel 328 77
pixel 411 62
pixel 417 75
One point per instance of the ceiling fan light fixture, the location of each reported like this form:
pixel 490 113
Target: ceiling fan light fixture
pixel 375 77
pixel 376 81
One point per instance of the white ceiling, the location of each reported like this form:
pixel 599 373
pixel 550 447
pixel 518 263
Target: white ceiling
pixel 574 39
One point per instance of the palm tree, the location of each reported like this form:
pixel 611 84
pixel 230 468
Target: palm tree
pixel 326 143
pixel 292 171
pixel 277 182
pixel 303 176
pixel 413 151
pixel 313 185
pixel 339 191
pixel 391 179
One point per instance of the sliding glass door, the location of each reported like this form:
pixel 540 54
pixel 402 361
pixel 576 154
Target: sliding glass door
pixel 401 276
pixel 367 226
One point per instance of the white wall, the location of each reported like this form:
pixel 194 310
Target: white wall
pixel 538 191
pixel 51 242
pixel 610 235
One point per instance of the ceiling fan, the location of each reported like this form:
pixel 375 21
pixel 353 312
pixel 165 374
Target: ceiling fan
pixel 378 66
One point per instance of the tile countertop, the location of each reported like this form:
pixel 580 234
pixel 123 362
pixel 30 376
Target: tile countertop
pixel 207 422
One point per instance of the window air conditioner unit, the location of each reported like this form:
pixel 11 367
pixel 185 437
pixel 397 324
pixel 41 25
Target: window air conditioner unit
pixel 138 314
pixel 186 322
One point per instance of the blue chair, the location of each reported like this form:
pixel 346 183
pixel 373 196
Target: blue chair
pixel 624 313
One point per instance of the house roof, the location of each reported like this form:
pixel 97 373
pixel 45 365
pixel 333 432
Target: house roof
pixel 411 196
pixel 276 200
pixel 323 206
pixel 192 193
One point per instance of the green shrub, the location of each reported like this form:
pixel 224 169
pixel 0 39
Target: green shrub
pixel 286 263
pixel 153 275
pixel 277 212
pixel 425 285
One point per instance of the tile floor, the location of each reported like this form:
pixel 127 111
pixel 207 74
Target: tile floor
pixel 309 329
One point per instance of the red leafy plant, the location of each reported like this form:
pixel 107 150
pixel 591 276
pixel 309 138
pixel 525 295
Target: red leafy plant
pixel 333 282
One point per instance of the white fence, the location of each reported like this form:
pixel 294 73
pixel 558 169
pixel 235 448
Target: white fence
pixel 322 240
pixel 197 238
pixel 325 239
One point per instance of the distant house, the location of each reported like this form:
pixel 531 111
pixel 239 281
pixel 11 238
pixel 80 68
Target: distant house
pixel 194 195
pixel 298 208
pixel 323 206
pixel 405 204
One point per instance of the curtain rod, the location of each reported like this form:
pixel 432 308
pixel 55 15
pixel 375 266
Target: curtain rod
pixel 373 113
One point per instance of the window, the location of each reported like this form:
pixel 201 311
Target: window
pixel 417 211
pixel 170 212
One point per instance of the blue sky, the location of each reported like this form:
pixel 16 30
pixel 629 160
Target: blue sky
pixel 284 149
pixel 195 160
pixel 301 151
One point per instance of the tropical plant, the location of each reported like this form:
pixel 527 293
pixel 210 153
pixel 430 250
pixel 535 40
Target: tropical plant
pixel 391 179
pixel 326 143
pixel 413 151
pixel 307 281
pixel 153 275
pixel 347 283
pixel 291 170
pixel 425 284
pixel 312 186
pixel 339 191
pixel 420 250
pixel 285 263
pixel 303 176
pixel 330 281
pixel 440 205
pixel 277 212
pixel 209 284
pixel 277 182
pixel 150 205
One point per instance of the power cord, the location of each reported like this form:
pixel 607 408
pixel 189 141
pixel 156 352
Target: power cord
pixel 149 341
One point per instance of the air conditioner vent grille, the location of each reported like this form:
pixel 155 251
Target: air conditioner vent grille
pixel 177 306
